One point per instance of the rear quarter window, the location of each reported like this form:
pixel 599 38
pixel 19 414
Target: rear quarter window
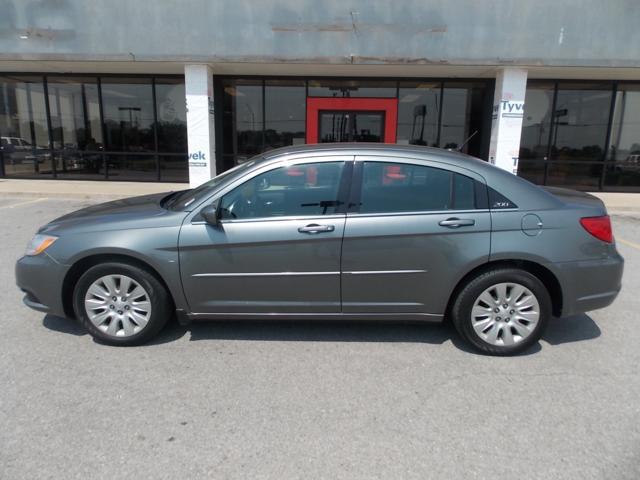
pixel 497 201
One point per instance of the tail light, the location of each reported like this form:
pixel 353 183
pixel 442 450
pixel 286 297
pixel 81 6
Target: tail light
pixel 599 227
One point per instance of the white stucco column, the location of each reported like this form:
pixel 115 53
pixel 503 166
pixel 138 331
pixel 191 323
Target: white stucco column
pixel 198 81
pixel 506 125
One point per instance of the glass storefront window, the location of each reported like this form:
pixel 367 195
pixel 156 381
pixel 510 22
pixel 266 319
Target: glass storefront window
pixel 174 168
pixel 352 88
pixel 171 112
pixel 128 114
pixel 462 116
pixel 455 113
pixel 564 135
pixel 243 109
pixel 75 127
pixel 624 143
pixel 577 175
pixel 580 122
pixel 623 176
pixel 536 123
pixel 282 106
pixel 75 113
pixel 623 159
pixel 131 167
pixel 86 136
pixel 419 107
pixel 24 133
pixel 532 170
pixel 285 109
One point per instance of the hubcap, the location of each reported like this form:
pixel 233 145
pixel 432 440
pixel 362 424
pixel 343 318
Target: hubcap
pixel 118 305
pixel 505 314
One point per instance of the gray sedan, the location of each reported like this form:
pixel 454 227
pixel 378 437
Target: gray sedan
pixel 349 232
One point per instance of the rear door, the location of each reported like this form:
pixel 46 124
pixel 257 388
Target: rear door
pixel 413 230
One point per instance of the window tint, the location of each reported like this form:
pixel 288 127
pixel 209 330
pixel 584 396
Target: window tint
pixel 463 192
pixel 309 189
pixel 397 187
pixel 498 201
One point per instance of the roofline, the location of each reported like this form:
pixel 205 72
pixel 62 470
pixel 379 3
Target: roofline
pixel 361 147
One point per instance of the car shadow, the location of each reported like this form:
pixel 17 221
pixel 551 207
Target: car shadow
pixel 577 328
pixel 324 331
pixel 63 325
pixel 559 331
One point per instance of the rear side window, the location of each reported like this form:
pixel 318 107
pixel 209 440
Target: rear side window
pixel 399 187
pixel 497 201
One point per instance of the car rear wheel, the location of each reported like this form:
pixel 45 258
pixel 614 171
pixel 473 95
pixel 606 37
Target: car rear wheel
pixel 503 311
pixel 121 304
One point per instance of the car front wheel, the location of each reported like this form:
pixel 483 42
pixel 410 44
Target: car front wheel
pixel 121 304
pixel 502 311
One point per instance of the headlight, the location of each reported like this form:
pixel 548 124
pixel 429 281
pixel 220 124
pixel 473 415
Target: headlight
pixel 39 243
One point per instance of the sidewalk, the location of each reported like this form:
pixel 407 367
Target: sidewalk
pixel 84 188
pixel 617 203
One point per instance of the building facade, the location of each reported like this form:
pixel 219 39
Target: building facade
pixel 177 91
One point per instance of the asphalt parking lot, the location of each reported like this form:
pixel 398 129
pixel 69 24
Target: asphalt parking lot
pixel 314 400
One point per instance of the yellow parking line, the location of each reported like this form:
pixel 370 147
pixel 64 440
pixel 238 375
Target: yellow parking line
pixel 628 243
pixel 24 203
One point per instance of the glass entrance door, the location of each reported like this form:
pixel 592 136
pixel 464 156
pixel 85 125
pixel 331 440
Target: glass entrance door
pixel 350 126
pixel 351 119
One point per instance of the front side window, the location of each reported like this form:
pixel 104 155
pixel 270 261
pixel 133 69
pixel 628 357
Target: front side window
pixel 399 187
pixel 309 189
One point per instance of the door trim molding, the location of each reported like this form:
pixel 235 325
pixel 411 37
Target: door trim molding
pixel 262 274
pixel 382 272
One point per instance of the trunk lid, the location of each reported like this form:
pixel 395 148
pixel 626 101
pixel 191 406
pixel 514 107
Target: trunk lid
pixel 577 198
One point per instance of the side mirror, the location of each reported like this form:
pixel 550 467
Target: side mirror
pixel 210 214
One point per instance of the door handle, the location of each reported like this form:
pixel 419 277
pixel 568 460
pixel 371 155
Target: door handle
pixel 315 228
pixel 457 222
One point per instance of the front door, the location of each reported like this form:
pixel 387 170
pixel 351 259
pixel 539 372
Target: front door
pixel 277 246
pixel 351 120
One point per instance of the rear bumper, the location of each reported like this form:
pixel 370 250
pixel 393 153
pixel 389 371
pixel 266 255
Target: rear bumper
pixel 591 284
pixel 40 278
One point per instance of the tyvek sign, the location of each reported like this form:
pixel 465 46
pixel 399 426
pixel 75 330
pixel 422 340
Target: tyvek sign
pixel 508 109
pixel 200 122
pixel 508 113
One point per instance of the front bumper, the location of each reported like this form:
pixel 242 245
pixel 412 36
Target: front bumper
pixel 590 285
pixel 40 277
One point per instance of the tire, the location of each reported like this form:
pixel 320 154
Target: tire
pixel 118 319
pixel 504 327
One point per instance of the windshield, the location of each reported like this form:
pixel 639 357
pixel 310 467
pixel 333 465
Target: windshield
pixel 183 200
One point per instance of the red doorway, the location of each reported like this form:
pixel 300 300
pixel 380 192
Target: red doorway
pixel 358 119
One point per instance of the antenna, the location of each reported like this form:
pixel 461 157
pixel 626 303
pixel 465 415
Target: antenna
pixel 459 149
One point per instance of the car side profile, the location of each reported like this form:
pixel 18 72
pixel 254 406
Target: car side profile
pixel 333 231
